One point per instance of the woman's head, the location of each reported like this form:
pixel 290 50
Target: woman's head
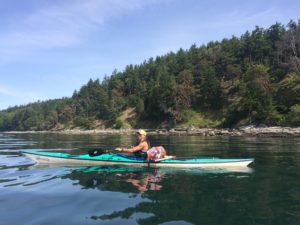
pixel 142 134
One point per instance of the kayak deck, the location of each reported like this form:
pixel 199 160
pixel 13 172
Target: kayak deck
pixel 113 159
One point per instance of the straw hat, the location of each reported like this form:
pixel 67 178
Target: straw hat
pixel 142 132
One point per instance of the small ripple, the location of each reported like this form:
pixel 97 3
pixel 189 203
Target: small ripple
pixel 15 184
pixel 6 180
pixel 8 161
pixel 3 151
pixel 15 176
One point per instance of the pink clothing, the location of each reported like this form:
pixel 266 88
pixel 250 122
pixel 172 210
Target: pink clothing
pixel 155 153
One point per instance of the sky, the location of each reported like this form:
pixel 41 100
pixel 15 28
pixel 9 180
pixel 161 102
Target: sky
pixel 50 48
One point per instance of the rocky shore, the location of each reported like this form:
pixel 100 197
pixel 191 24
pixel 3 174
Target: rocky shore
pixel 242 131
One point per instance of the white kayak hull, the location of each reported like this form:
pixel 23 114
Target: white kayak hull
pixel 86 160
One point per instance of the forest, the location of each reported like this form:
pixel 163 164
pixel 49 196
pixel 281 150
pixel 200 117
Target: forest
pixel 252 79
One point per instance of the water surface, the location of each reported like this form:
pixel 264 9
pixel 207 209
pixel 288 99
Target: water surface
pixel 269 193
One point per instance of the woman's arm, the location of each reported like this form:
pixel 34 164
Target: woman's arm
pixel 136 148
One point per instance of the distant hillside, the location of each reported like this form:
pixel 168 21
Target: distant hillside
pixel 252 79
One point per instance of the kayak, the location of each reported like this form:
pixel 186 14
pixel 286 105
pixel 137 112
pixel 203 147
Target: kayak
pixel 43 157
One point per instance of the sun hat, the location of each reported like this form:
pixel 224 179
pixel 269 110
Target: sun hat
pixel 142 132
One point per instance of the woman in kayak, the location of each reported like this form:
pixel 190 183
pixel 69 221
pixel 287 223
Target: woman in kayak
pixel 141 150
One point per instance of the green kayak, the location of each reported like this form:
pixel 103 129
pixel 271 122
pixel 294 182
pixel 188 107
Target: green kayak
pixel 43 157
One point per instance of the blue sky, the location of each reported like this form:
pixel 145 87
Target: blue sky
pixel 49 48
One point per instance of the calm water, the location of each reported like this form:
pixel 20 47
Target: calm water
pixel 269 193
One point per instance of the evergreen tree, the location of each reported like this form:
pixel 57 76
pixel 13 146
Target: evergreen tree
pixel 210 89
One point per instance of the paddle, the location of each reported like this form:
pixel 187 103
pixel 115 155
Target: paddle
pixel 99 151
pixel 96 152
pixel 157 160
pixel 165 158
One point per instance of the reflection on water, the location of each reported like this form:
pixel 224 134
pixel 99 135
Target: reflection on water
pixel 148 181
pixel 138 184
pixel 38 194
pixel 130 180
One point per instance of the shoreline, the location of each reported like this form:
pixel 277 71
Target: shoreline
pixel 191 131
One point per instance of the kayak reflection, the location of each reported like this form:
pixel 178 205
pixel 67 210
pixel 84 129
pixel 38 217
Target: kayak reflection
pixel 141 180
pixel 118 178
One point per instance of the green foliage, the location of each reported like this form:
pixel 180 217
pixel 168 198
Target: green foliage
pixel 137 103
pixel 256 104
pixel 251 79
pixel 159 101
pixel 84 122
pixel 293 118
pixel 193 118
pixel 288 91
pixel 210 88
pixel 119 124
pixel 184 94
